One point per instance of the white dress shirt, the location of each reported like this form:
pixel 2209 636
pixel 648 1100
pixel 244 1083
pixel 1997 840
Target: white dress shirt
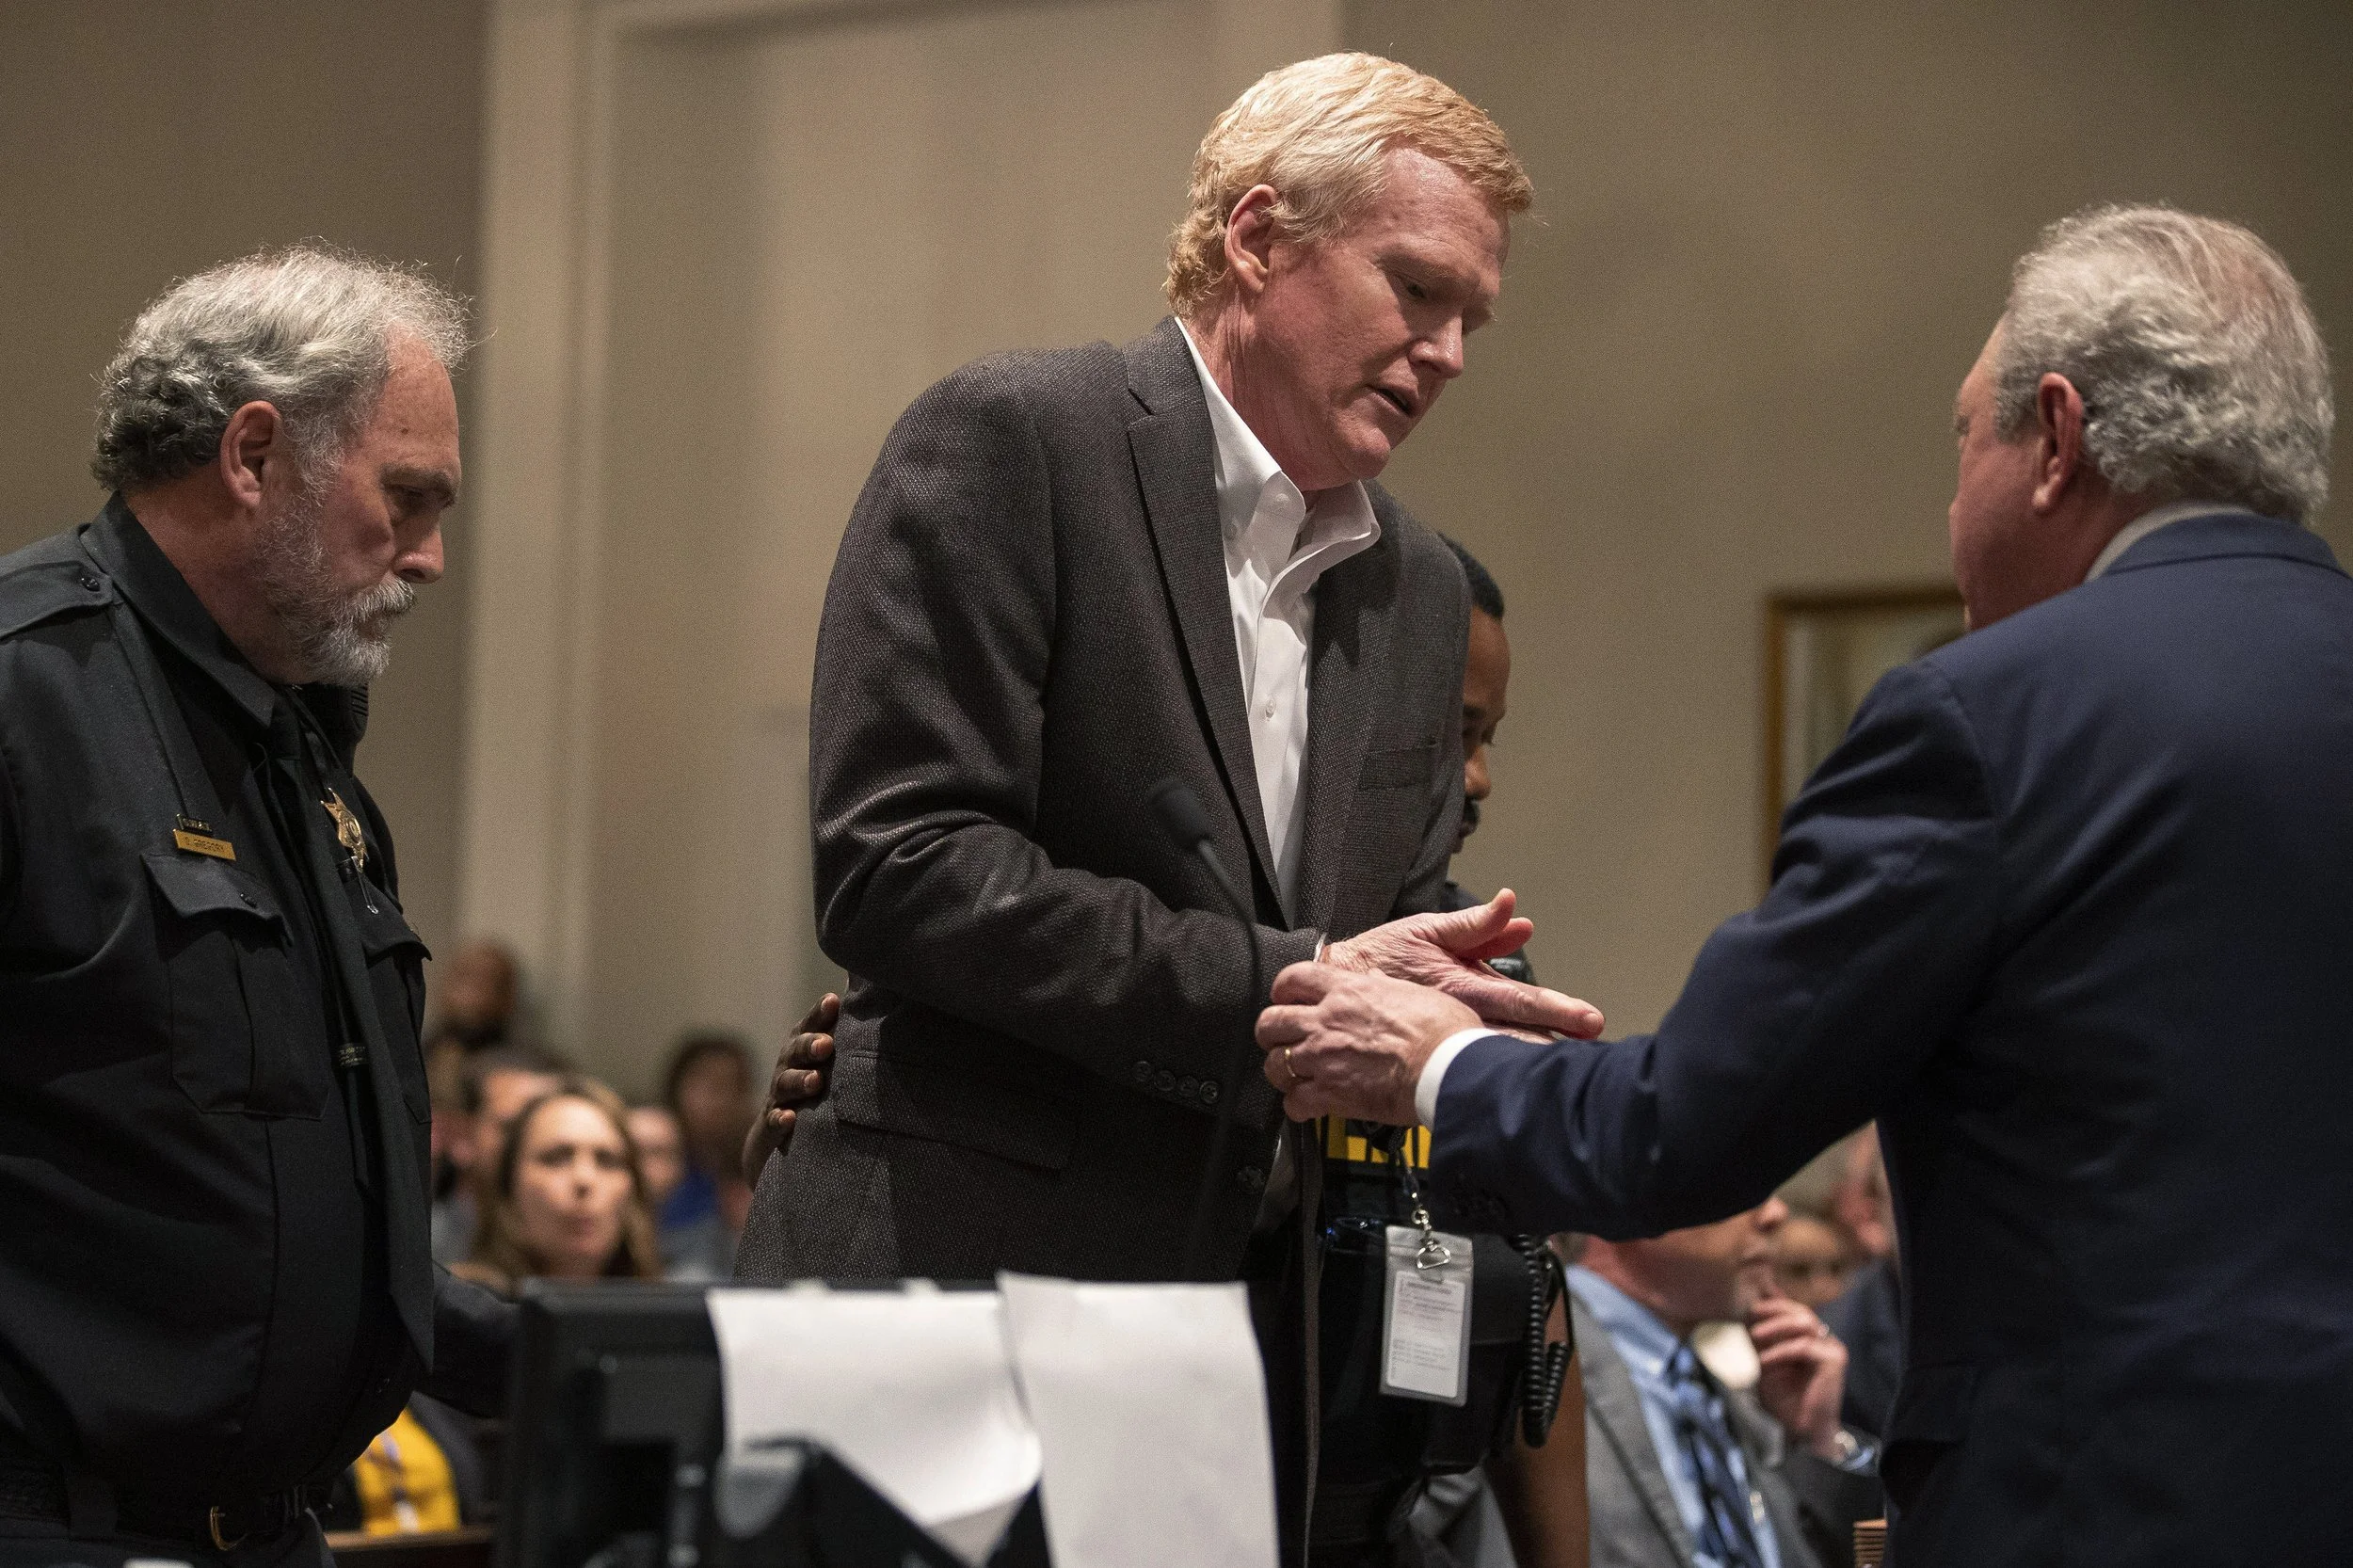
pixel 1277 548
pixel 1434 1071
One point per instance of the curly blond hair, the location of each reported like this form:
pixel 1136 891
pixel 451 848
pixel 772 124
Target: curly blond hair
pixel 1318 131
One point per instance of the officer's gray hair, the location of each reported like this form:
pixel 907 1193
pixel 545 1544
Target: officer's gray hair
pixel 307 329
pixel 2201 372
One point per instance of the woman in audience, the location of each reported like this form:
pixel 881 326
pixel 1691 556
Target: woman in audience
pixel 567 1200
pixel 709 1089
pixel 562 1196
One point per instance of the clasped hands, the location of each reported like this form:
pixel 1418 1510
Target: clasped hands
pixel 1348 1034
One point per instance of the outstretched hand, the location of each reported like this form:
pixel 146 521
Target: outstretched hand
pixel 1449 952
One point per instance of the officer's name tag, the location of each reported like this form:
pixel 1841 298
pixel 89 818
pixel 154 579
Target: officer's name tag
pixel 198 839
pixel 1425 1320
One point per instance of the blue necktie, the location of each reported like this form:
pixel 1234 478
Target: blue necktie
pixel 1725 1531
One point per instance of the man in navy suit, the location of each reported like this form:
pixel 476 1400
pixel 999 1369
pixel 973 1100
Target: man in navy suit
pixel 2071 912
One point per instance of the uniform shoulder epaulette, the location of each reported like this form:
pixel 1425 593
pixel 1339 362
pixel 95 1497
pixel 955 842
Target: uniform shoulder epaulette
pixel 46 579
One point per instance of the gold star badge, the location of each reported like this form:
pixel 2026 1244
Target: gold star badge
pixel 347 830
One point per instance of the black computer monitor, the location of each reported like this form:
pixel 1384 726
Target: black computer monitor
pixel 616 1430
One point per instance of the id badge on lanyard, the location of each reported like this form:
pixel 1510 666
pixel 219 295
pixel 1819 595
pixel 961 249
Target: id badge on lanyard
pixel 1424 1310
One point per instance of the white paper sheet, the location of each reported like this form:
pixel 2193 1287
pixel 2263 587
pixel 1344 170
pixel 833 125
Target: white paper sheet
pixel 1151 1408
pixel 913 1390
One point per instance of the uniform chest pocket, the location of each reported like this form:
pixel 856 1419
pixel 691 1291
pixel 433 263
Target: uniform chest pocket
pixel 396 956
pixel 244 1030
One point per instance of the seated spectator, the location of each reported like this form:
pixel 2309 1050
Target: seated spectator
pixel 1869 1314
pixel 1811 1261
pixel 566 1200
pixel 709 1089
pixel 661 1151
pixel 425 1472
pixel 493 1087
pixel 1767 1479
pixel 475 996
pixel 1858 1199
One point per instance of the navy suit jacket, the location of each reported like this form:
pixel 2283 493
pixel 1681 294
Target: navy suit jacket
pixel 2070 912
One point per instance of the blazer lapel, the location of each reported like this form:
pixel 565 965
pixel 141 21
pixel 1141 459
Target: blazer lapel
pixel 1174 454
pixel 1617 1409
pixel 1351 637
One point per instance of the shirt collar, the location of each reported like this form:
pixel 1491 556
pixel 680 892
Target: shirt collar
pixel 1642 1342
pixel 146 578
pixel 1341 523
pixel 2146 524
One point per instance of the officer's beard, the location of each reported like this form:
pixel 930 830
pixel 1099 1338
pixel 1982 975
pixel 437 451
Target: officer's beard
pixel 340 638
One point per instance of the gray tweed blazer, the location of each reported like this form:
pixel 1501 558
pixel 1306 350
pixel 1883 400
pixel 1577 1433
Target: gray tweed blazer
pixel 1027 627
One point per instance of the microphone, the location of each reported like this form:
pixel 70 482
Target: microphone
pixel 1188 826
pixel 1180 816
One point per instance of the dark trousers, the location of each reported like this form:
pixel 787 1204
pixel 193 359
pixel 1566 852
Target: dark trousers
pixel 1355 1526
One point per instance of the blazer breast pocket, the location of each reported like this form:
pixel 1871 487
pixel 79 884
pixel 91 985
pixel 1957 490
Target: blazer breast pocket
pixel 1397 768
pixel 243 1031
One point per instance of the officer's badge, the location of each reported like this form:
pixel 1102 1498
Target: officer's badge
pixel 348 831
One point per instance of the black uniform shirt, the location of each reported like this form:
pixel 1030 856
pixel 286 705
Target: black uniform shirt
pixel 193 1296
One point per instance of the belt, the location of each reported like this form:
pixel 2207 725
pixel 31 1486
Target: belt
pixel 265 1516
pixel 38 1492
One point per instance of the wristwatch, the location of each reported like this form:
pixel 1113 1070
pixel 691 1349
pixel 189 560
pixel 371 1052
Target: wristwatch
pixel 1852 1454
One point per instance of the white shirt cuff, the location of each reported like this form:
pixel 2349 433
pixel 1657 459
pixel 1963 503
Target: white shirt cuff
pixel 1434 1072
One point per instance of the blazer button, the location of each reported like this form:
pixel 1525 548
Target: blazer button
pixel 89 583
pixel 1188 1087
pixel 1143 1071
pixel 1250 1180
pixel 1209 1091
pixel 1166 1082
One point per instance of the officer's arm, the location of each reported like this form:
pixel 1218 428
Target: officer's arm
pixel 474 1339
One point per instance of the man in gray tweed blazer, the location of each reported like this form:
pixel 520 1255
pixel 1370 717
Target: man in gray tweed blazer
pixel 1797 1480
pixel 1075 574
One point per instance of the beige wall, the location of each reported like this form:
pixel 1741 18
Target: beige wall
pixel 722 258
pixel 141 142
pixel 1773 239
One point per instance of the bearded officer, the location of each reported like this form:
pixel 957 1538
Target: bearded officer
pixel 215 1284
